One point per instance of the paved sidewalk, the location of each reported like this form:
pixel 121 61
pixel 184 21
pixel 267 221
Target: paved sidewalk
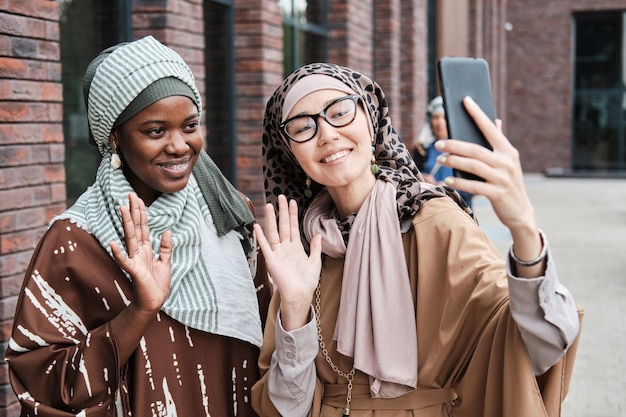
pixel 585 222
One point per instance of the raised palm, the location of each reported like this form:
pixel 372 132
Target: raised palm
pixel 151 275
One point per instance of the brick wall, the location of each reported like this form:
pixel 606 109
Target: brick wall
pixel 258 72
pixel 32 176
pixel 413 80
pixel 539 82
pixel 487 39
pixel 387 53
pixel 539 53
pixel 350 34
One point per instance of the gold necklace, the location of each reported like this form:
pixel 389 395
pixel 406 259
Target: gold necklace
pixel 348 376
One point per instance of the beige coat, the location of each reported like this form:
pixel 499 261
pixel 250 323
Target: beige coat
pixel 472 360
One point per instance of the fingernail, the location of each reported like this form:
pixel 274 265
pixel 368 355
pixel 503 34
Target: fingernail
pixel 469 100
pixel 442 159
pixel 440 144
pixel 449 180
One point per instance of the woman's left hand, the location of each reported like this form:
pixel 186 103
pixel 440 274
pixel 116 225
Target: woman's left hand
pixel 500 168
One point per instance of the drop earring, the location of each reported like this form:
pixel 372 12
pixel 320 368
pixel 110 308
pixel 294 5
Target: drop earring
pixel 374 167
pixel 116 161
pixel 307 191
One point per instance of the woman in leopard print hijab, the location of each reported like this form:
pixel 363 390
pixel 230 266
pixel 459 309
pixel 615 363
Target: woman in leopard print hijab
pixel 283 174
pixel 376 268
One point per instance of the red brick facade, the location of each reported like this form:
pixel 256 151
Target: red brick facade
pixel 531 74
pixel 32 175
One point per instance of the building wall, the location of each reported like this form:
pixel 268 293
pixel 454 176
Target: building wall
pixel 413 74
pixel 539 82
pixel 539 54
pixel 32 175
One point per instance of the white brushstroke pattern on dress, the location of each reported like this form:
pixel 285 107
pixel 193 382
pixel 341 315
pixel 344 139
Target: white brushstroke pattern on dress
pixel 205 397
pixel 70 321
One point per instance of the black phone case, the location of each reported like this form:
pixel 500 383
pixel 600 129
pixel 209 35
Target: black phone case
pixel 461 77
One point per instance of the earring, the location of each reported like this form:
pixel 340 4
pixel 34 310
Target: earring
pixel 307 191
pixel 374 167
pixel 116 161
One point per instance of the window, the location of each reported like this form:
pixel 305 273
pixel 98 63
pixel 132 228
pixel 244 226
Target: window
pixel 305 32
pixel 87 27
pixel 599 141
pixel 219 105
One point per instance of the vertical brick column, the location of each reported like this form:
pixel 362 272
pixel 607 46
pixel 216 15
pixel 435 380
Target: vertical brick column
pixel 351 34
pixel 387 53
pixel 487 39
pixel 258 71
pixel 32 175
pixel 413 80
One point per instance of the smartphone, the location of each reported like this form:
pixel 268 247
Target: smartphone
pixel 459 78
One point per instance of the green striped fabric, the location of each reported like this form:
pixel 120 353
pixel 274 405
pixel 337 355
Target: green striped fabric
pixel 125 73
pixel 212 287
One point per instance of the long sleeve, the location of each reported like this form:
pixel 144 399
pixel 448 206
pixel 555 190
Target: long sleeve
pixel 62 355
pixel 545 313
pixel 291 376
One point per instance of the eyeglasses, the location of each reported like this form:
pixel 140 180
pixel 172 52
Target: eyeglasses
pixel 303 128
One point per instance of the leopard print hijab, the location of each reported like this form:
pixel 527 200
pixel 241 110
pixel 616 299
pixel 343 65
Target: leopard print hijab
pixel 283 175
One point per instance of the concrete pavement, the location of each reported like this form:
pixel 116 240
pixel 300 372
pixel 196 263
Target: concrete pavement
pixel 585 222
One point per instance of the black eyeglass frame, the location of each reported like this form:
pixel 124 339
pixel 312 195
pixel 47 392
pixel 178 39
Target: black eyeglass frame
pixel 354 97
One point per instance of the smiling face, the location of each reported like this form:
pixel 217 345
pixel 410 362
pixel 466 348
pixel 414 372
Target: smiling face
pixel 159 146
pixel 337 157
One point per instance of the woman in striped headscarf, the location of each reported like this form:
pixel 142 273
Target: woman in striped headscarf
pixel 145 297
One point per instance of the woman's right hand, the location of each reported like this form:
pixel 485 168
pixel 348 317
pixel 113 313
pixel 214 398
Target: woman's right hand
pixel 295 273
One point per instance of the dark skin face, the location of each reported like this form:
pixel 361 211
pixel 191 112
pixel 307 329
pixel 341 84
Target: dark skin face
pixel 160 146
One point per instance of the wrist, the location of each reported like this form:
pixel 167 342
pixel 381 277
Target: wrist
pixel 526 260
pixel 293 317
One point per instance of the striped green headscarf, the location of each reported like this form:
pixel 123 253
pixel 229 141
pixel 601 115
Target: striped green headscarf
pixel 120 74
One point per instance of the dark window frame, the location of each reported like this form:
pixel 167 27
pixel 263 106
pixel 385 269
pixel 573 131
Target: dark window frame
pixel 293 28
pixel 599 92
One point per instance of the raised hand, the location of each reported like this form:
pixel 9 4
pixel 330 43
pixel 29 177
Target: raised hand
pixel 503 186
pixel 295 273
pixel 501 169
pixel 151 276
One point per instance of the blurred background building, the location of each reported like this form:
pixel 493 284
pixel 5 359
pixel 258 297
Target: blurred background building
pixel 557 69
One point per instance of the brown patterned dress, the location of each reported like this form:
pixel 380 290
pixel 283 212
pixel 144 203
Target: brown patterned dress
pixel 63 355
